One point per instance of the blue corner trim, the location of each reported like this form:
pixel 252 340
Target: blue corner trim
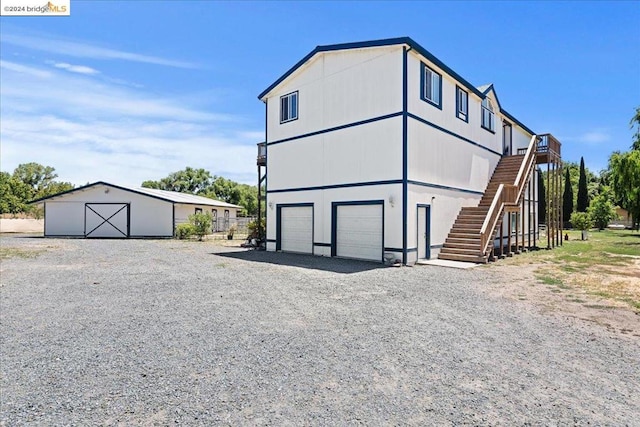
pixel 323 245
pixel 405 151
pixel 335 128
pixel 440 128
pixel 393 249
pixel 444 187
pixel 330 187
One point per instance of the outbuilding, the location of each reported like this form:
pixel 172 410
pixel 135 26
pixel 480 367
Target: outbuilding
pixel 106 210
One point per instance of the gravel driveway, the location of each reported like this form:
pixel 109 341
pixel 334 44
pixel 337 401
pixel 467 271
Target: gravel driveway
pixel 147 332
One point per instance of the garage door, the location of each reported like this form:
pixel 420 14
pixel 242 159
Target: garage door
pixel 295 229
pixel 358 231
pixel 106 220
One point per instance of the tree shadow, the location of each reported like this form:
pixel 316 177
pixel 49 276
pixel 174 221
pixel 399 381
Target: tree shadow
pixel 313 262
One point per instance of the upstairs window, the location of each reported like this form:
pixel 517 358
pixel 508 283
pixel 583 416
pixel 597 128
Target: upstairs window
pixel 289 107
pixel 488 116
pixel 462 104
pixel 431 86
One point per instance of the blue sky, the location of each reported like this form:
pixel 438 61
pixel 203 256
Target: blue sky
pixel 124 91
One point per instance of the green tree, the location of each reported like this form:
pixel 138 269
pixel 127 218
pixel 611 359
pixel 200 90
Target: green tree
pixel 635 121
pixel 14 194
pixel 542 199
pixel 189 180
pixel 201 223
pixel 567 198
pixel 582 203
pixel 40 180
pixel 601 209
pixel 625 182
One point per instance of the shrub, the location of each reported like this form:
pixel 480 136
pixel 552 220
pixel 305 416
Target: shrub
pixel 254 231
pixel 201 223
pixel 232 230
pixel 184 231
pixel 581 220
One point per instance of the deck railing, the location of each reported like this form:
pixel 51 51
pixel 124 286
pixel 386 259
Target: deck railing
pixel 507 195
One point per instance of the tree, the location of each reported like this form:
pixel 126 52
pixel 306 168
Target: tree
pixel 14 194
pixel 189 180
pixel 625 182
pixel 542 200
pixel 567 199
pixel 582 202
pixel 635 121
pixel 601 210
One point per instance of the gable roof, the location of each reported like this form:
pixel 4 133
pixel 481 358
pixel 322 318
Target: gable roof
pixel 374 43
pixel 167 196
pixel 480 91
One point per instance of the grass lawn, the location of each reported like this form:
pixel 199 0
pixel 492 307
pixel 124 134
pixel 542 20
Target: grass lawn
pixel 607 265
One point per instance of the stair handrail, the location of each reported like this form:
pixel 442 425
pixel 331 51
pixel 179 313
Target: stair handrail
pixel 492 216
pixel 525 166
pixel 498 202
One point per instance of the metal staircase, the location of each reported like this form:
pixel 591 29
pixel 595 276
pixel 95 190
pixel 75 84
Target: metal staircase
pixel 471 238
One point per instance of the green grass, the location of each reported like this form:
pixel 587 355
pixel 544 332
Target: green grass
pixel 603 266
pixel 6 253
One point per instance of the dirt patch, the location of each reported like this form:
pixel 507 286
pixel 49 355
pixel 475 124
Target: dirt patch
pixel 584 296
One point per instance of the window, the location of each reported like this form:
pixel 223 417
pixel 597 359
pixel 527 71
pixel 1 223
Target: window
pixel 462 104
pixel 198 210
pixel 431 86
pixel 289 107
pixel 488 116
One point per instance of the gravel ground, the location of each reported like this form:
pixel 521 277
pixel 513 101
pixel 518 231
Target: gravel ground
pixel 141 332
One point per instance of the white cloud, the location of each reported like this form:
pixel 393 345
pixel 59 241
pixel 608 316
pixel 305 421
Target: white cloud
pixel 93 130
pixel 55 45
pixel 591 137
pixel 80 69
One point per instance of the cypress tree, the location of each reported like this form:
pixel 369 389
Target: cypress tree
pixel 542 200
pixel 582 202
pixel 567 199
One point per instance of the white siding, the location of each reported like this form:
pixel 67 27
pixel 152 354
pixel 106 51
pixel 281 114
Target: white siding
pixel 64 215
pixel 339 88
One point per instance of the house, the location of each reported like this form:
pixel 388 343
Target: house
pixel 112 211
pixel 623 219
pixel 378 150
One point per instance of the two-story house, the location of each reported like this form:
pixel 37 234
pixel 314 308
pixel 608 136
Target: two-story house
pixel 378 150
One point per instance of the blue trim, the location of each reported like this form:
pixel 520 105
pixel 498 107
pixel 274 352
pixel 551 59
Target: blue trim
pixel 437 246
pixel 345 126
pixel 331 187
pixel 266 168
pixel 323 245
pixel 444 187
pixel 459 90
pixel 334 221
pixel 427 229
pixel 412 250
pixel 271 240
pixel 375 43
pixel 405 151
pixel 393 250
pixel 428 123
pixel 279 221
pixel 423 81
pixel 297 106
pixel 516 121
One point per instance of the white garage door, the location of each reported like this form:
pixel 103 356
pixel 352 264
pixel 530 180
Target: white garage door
pixel 296 229
pixel 359 231
pixel 106 220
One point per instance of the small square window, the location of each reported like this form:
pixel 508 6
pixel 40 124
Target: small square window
pixel 431 86
pixel 289 107
pixel 462 104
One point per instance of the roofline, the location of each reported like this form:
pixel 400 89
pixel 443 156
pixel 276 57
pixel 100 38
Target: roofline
pixel 131 190
pixel 516 121
pixel 375 43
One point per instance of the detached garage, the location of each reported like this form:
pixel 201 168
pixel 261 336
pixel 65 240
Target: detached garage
pixel 103 210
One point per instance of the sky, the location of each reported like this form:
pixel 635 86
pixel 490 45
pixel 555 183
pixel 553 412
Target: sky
pixel 128 91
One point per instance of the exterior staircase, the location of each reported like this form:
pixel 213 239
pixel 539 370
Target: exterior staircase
pixel 472 235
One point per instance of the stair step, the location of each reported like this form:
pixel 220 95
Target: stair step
pixel 461 248
pixel 469 241
pixel 463 258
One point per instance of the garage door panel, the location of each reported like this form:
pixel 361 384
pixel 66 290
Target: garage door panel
pixel 359 231
pixel 106 220
pixel 296 229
